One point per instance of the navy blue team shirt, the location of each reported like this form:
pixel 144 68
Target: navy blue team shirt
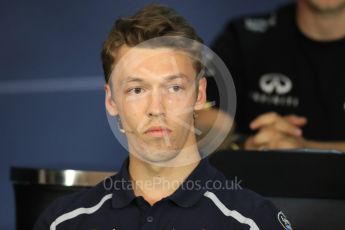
pixel 197 204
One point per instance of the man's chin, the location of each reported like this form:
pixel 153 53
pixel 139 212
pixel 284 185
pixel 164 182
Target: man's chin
pixel 159 156
pixel 327 8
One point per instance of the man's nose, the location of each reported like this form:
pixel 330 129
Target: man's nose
pixel 156 107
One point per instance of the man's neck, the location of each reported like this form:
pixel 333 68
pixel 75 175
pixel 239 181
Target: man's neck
pixel 319 25
pixel 155 182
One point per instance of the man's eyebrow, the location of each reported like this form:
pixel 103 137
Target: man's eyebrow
pixel 167 78
pixel 176 76
pixel 131 79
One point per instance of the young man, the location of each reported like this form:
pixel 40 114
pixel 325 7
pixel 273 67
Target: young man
pixel 288 68
pixel 153 85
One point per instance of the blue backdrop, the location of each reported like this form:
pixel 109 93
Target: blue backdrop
pixel 51 98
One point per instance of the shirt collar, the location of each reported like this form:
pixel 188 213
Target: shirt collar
pixel 191 190
pixel 194 187
pixel 123 191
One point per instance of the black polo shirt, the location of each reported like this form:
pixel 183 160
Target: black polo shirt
pixel 206 200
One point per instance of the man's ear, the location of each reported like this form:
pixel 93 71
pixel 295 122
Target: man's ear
pixel 110 104
pixel 201 99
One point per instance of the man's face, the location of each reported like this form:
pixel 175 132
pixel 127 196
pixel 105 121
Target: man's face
pixel 154 93
pixel 327 5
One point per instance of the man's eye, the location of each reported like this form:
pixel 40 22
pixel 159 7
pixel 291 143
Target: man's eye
pixel 175 89
pixel 136 90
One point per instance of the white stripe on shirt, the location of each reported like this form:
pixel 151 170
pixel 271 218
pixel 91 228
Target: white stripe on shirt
pixel 79 211
pixel 234 214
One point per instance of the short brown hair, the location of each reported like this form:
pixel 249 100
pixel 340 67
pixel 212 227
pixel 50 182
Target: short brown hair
pixel 150 22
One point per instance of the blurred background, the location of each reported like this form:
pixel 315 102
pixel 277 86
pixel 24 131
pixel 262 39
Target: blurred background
pixel 52 111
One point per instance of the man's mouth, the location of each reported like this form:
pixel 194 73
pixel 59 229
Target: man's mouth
pixel 158 131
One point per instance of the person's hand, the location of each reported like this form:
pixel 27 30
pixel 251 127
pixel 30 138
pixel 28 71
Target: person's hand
pixel 276 132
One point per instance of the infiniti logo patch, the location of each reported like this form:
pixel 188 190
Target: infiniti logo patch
pixel 275 83
pixel 275 89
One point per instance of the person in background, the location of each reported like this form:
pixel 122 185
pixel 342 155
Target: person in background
pixel 289 71
pixel 151 63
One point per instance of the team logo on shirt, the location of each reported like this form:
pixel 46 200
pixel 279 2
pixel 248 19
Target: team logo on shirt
pixel 284 221
pixel 275 82
pixel 274 90
pixel 260 25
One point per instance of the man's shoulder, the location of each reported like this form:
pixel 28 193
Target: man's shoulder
pixel 245 206
pixel 243 36
pixel 85 200
pixel 263 24
pixel 232 194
